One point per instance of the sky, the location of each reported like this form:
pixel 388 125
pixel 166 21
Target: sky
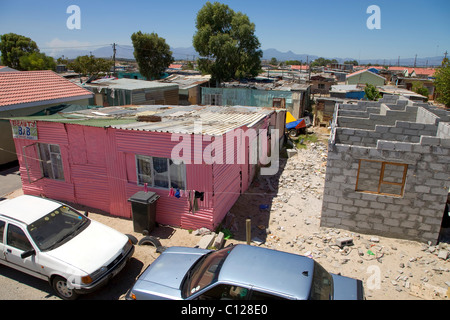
pixel 328 28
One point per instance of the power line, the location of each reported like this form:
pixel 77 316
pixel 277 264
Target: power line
pixel 90 46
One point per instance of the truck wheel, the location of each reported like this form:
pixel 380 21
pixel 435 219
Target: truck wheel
pixel 62 290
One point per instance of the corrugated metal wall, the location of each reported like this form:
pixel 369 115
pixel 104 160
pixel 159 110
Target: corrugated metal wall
pixel 100 171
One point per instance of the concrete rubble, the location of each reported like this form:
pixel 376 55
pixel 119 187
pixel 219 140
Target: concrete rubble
pixel 292 223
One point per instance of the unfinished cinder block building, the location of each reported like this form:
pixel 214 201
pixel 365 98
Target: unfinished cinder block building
pixel 388 169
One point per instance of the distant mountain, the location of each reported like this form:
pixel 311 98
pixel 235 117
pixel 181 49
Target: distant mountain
pixel 283 56
pixel 189 53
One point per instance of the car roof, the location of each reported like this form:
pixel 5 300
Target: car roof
pixel 269 269
pixel 26 208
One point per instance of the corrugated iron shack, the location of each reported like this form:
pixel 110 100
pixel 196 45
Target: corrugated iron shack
pixel 101 157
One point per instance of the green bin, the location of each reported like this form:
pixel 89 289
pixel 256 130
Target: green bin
pixel 143 207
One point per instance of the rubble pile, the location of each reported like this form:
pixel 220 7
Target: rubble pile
pixel 290 221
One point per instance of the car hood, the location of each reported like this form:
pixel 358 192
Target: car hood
pixel 94 247
pixel 164 276
pixel 347 288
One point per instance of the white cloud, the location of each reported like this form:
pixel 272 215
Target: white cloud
pixel 56 46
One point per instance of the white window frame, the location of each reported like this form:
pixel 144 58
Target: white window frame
pixel 45 171
pixel 152 184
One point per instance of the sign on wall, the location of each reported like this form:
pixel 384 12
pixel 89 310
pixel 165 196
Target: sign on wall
pixel 23 129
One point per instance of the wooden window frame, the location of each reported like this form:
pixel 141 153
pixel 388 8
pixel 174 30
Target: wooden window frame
pixel 381 178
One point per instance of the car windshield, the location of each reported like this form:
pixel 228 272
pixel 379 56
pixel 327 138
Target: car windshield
pixel 205 271
pixel 322 284
pixel 57 227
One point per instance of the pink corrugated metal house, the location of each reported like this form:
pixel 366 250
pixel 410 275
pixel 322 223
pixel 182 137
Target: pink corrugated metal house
pixel 100 158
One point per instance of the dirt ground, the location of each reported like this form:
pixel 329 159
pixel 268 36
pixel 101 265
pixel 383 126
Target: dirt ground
pixel 285 215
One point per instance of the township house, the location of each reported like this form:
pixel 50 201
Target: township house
pixel 365 76
pixel 388 169
pixel 101 157
pixel 23 93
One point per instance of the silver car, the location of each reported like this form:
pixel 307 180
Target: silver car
pixel 240 272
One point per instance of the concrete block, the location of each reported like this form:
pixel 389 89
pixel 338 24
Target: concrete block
pixel 219 240
pixel 403 147
pixel 206 241
pixel 422 189
pixel 291 152
pixel 443 254
pixel 344 241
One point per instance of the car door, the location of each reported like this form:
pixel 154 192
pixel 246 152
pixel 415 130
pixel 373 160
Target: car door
pixel 16 243
pixel 2 246
pixel 221 291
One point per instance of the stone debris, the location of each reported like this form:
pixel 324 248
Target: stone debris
pixel 292 223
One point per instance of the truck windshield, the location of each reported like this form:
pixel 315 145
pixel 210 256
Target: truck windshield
pixel 57 227
pixel 322 284
pixel 205 271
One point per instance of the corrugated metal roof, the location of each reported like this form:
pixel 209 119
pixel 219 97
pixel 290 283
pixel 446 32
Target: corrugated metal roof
pixel 210 120
pixel 130 84
pixel 194 119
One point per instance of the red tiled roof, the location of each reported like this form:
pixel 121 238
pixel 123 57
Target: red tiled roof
pixel 425 71
pixel 298 67
pixel 34 86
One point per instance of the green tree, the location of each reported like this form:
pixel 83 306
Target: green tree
pixel 322 62
pixel 36 61
pixel 293 62
pixel 227 43
pixel 371 92
pixel 13 46
pixel 353 62
pixel 274 61
pixel 418 87
pixel 152 54
pixel 442 84
pixel 89 65
pixel 62 60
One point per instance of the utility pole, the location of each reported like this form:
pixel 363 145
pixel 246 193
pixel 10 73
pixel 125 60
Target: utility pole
pixel 398 61
pixel 114 59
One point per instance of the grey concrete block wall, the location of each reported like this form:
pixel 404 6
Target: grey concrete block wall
pixel 415 214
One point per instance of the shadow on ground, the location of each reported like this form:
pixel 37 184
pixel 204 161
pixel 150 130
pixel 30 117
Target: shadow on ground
pixel 254 204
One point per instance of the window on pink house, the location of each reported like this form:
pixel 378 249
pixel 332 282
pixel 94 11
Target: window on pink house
pixel 51 162
pixel 160 172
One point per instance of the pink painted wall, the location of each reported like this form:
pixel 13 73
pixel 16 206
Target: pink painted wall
pixel 100 172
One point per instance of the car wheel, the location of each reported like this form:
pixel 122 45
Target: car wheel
pixel 152 241
pixel 293 133
pixel 62 290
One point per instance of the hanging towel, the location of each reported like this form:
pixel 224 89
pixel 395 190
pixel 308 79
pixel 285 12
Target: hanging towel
pixel 177 193
pixel 171 192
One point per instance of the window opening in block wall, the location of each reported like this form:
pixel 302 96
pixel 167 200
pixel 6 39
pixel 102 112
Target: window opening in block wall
pixel 379 177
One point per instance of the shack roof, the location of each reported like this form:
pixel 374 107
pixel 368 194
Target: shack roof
pixel 206 120
pixel 129 84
